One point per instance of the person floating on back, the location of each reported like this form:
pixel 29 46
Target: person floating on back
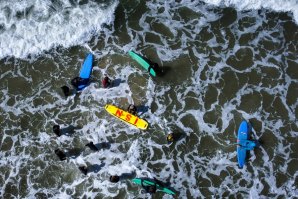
pixel 132 109
pixel 57 130
pixel 92 146
pixel 114 179
pixel 60 154
pixel 106 82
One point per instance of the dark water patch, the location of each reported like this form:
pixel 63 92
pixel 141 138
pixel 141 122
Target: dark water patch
pixel 162 29
pixel 292 166
pixel 269 45
pixel 7 144
pixel 134 15
pixel 292 69
pixel 280 110
pixel 17 86
pixel 246 38
pixel 246 22
pixel 242 59
pixel 230 85
pixel 256 125
pixel 190 121
pixel 191 101
pixel 254 76
pixel 292 94
pixel 229 16
pixel 188 15
pixel 120 25
pixel 152 38
pixel 251 102
pixel 205 34
pixel 290 31
pixel 211 96
pixel 211 117
pixel 11 190
pixel 271 77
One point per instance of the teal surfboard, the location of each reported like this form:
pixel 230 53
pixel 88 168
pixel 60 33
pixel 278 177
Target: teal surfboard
pixel 138 181
pixel 142 62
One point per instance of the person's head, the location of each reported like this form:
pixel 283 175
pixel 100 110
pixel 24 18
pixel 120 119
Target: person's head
pixel 60 154
pixel 56 130
pixel 152 189
pixel 83 169
pixel 66 91
pixel 170 137
pixel 114 178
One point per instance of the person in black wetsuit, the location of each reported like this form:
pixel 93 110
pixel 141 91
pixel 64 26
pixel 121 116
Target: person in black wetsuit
pixel 92 146
pixel 114 179
pixel 57 130
pixel 67 92
pixel 77 82
pixel 60 154
pixel 83 169
pixel 132 109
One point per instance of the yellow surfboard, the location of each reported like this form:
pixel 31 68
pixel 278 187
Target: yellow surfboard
pixel 126 117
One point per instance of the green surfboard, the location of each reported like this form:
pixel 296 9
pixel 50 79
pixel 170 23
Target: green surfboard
pixel 148 183
pixel 142 62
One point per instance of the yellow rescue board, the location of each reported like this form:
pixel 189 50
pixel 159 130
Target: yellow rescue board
pixel 126 117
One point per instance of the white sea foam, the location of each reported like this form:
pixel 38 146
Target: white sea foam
pixel 275 5
pixel 34 26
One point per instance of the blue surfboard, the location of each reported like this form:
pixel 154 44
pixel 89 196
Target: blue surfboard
pixel 243 135
pixel 85 72
pixel 86 67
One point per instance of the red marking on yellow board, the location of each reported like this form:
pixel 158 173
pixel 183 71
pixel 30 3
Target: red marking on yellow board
pixel 119 113
pixel 126 117
pixel 136 120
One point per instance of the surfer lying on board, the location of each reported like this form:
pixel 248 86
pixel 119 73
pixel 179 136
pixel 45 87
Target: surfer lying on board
pixel 79 83
pixel 149 188
pixel 154 66
pixel 248 144
pixel 106 82
pixel 132 109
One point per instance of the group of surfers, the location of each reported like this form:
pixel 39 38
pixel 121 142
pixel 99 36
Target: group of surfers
pixel 77 82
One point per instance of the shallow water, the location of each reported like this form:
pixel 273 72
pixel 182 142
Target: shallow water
pixel 221 65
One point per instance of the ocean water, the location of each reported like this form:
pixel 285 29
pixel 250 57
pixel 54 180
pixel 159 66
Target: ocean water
pixel 222 62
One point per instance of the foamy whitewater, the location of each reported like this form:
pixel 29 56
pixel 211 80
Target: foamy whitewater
pixel 222 62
